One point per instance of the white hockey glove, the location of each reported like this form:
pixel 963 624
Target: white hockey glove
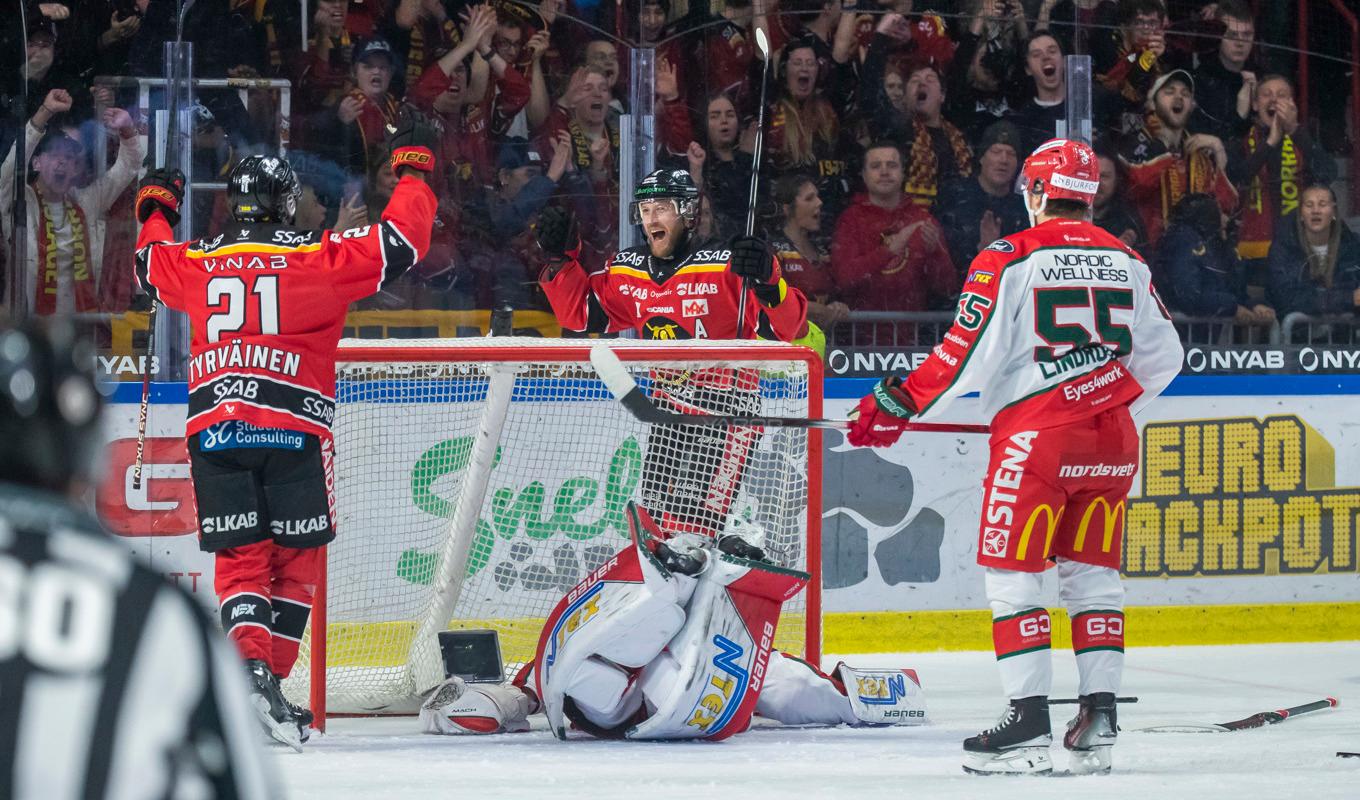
pixel 457 707
pixel 884 696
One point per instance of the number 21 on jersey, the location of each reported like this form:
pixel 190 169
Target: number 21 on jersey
pixel 228 293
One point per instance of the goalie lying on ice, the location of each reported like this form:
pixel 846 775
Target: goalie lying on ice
pixel 673 640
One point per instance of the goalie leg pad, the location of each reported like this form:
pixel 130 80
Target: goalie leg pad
pixel 625 613
pixel 455 707
pixel 603 693
pixel 797 693
pixel 710 679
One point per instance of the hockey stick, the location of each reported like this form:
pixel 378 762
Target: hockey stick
pixel 763 43
pixel 1254 721
pixel 634 398
pixel 1074 700
pixel 146 396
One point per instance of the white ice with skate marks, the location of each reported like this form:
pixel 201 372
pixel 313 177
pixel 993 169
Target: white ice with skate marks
pixel 375 759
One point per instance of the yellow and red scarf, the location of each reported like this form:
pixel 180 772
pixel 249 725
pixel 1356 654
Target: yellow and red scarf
pixel 82 275
pixel 923 173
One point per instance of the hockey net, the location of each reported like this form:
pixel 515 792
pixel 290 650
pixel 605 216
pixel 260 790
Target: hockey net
pixel 478 480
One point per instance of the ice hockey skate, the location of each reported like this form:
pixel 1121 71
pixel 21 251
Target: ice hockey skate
pixel 1017 745
pixel 273 711
pixel 1091 734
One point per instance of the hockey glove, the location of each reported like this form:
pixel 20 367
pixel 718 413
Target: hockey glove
pixel 754 263
pixel 161 189
pixel 411 143
pixel 734 545
pixel 882 416
pixel 557 232
pixel 751 259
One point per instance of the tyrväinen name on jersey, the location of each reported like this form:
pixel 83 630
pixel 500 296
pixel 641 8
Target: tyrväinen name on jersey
pixel 245 355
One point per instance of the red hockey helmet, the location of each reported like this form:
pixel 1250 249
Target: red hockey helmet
pixel 1062 169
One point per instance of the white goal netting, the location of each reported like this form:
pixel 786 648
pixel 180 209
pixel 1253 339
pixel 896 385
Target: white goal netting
pixel 509 457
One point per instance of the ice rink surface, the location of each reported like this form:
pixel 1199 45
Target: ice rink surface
pixel 375 759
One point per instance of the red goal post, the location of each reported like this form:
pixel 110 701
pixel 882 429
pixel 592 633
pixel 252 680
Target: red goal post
pixel 476 480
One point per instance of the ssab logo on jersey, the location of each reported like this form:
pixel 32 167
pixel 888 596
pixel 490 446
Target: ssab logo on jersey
pixel 694 308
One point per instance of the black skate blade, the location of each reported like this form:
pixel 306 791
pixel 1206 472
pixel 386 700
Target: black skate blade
pixel 1344 754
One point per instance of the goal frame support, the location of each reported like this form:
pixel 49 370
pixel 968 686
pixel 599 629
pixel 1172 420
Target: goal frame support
pixel 453 560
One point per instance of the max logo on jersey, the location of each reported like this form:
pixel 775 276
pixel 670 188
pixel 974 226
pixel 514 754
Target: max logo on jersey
pixel 694 308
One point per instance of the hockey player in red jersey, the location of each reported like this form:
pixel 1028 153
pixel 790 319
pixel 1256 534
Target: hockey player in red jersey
pixel 679 287
pixel 1060 330
pixel 266 305
pixel 676 286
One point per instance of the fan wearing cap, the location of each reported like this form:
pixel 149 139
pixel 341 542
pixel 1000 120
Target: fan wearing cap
pixel 66 214
pixel 352 132
pixel 977 211
pixel 1165 162
pixel 1060 331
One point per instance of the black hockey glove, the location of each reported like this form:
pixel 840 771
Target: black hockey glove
pixel 751 259
pixel 557 233
pixel 411 142
pixel 734 545
pixel 161 189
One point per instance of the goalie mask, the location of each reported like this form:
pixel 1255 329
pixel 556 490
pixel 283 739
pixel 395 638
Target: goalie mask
pixel 263 189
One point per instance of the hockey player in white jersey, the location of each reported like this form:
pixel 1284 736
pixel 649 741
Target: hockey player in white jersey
pixel 1061 332
pixel 672 639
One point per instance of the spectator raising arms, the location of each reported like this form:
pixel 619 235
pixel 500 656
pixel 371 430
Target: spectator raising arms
pixel 888 254
pixel 1271 163
pixel 797 244
pixel 1165 162
pixel 1315 259
pixel 66 221
pixel 977 211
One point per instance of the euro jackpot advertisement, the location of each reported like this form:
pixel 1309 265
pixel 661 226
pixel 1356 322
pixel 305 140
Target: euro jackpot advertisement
pixel 1247 490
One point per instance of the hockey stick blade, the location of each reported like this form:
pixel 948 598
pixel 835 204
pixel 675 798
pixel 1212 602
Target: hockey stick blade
pixel 1260 720
pixel 634 398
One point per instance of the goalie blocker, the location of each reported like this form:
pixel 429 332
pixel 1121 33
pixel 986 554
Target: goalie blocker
pixel 672 640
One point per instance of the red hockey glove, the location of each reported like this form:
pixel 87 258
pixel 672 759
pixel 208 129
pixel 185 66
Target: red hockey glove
pixel 161 189
pixel 882 416
pixel 412 143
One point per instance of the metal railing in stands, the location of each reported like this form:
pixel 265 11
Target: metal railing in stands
pixel 926 328
pixel 243 86
pixel 1301 328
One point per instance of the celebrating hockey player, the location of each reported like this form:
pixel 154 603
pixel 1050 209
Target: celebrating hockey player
pixel 672 639
pixel 677 286
pixel 266 303
pixel 1060 330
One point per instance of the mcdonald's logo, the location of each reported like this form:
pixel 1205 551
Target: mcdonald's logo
pixel 1052 520
pixel 1113 519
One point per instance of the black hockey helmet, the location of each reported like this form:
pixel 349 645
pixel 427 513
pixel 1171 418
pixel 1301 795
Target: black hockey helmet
pixel 49 407
pixel 668 184
pixel 263 189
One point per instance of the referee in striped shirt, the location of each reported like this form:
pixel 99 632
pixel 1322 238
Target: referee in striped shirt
pixel 113 683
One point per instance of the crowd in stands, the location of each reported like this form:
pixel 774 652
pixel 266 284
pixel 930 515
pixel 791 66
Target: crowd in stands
pixel 893 134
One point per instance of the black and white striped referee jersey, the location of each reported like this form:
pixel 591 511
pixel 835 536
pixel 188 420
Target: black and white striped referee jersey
pixel 113 683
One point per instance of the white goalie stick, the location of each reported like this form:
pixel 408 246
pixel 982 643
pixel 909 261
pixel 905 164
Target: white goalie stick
pixel 634 398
